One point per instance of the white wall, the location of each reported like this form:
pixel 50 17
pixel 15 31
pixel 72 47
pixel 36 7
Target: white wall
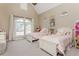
pixel 6 9
pixel 62 21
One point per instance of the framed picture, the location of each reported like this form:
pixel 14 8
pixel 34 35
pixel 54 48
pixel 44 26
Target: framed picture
pixel 52 25
pixel 52 22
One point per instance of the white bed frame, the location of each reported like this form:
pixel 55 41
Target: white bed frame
pixel 48 47
pixel 30 38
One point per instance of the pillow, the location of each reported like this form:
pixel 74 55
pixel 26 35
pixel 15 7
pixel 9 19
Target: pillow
pixel 64 31
pixel 67 33
pixel 44 30
pixel 60 31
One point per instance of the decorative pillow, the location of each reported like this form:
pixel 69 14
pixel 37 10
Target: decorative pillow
pixel 67 33
pixel 44 30
pixel 60 31
pixel 64 31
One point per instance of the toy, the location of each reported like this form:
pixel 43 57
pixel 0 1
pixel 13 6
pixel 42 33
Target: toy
pixel 77 34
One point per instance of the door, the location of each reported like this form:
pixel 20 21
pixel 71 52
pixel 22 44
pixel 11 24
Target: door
pixel 22 27
pixel 18 28
pixel 28 26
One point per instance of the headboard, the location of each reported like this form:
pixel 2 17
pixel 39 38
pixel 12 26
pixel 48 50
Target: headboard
pixel 65 31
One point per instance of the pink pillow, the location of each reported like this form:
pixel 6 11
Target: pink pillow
pixel 44 30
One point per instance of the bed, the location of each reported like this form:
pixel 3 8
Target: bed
pixel 56 43
pixel 34 36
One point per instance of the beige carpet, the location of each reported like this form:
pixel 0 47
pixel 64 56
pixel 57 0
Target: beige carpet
pixel 24 48
pixel 73 52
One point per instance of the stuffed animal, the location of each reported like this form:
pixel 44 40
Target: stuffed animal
pixel 38 29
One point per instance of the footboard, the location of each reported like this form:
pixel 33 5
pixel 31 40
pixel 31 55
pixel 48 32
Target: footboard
pixel 48 46
pixel 29 38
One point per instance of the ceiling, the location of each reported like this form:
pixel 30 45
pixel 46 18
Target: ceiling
pixel 43 7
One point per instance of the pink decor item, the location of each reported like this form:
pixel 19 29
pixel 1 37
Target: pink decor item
pixel 77 28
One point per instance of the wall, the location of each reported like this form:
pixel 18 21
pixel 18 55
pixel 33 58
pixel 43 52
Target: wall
pixel 61 21
pixel 30 13
pixel 4 19
pixel 7 9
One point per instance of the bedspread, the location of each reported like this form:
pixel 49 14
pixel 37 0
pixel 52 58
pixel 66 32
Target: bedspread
pixel 37 35
pixel 60 41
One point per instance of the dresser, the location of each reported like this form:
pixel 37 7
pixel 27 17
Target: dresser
pixel 2 42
